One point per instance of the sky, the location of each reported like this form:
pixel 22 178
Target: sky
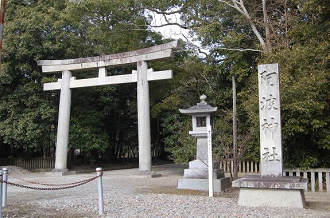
pixel 172 31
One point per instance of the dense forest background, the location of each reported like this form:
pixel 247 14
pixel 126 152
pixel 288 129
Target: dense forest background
pixel 238 34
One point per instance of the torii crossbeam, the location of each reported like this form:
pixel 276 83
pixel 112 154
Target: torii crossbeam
pixel 141 76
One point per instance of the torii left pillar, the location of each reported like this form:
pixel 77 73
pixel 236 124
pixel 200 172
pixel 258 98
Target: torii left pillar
pixel 63 124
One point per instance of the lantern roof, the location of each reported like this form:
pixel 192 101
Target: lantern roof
pixel 201 108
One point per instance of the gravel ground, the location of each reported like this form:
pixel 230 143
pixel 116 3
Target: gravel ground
pixel 128 194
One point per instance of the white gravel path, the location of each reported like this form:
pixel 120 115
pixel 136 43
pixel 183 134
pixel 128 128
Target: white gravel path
pixel 129 195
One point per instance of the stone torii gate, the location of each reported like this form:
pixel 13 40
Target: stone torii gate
pixel 141 76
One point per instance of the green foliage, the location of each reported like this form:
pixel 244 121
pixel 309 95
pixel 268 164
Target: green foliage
pixel 303 55
pixel 104 119
pixel 305 75
pixel 181 147
pixel 26 112
pixel 305 95
pixel 66 29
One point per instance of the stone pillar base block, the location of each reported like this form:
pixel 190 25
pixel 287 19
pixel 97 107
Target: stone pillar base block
pixel 61 172
pixel 258 197
pixel 148 174
pixel 203 184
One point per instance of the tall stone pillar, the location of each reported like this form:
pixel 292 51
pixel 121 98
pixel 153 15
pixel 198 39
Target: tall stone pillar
pixel 143 117
pixel 270 121
pixel 63 123
pixel 271 188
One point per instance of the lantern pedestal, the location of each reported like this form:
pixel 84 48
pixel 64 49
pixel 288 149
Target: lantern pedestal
pixel 196 177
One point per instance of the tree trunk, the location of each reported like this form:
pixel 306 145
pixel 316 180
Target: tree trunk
pixel 157 140
pixel 266 24
pixel 134 155
pixel 235 176
pixel 286 24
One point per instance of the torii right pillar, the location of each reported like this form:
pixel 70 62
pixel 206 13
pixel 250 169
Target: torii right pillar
pixel 271 188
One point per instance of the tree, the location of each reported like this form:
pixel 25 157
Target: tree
pixel 265 23
pixel 239 35
pixel 293 33
pixel 304 89
pixel 26 112
pixel 60 30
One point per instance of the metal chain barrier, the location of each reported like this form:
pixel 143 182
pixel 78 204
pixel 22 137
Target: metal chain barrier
pixel 49 184
pixel 54 187
pixel 70 185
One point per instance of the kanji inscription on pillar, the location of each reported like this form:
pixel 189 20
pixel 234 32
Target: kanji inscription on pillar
pixel 270 120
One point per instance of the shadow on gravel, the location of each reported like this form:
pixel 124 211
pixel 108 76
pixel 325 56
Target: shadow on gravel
pixel 318 205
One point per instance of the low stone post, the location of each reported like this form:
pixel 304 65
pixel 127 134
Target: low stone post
pixel 1 174
pixel 99 173
pixel 4 187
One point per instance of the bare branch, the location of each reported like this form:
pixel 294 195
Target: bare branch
pixel 241 2
pixel 244 9
pixel 164 12
pixel 240 49
pixel 176 23
pixel 208 83
pixel 169 24
pixel 227 3
pixel 240 7
pixel 195 46
pixel 202 52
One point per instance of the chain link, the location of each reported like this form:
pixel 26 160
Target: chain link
pixel 70 185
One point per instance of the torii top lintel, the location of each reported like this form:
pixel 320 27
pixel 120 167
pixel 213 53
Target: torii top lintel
pixel 157 52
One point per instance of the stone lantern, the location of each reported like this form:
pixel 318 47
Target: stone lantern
pixel 202 116
pixel 196 177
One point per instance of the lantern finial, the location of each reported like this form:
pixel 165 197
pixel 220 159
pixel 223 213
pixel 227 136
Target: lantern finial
pixel 203 98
